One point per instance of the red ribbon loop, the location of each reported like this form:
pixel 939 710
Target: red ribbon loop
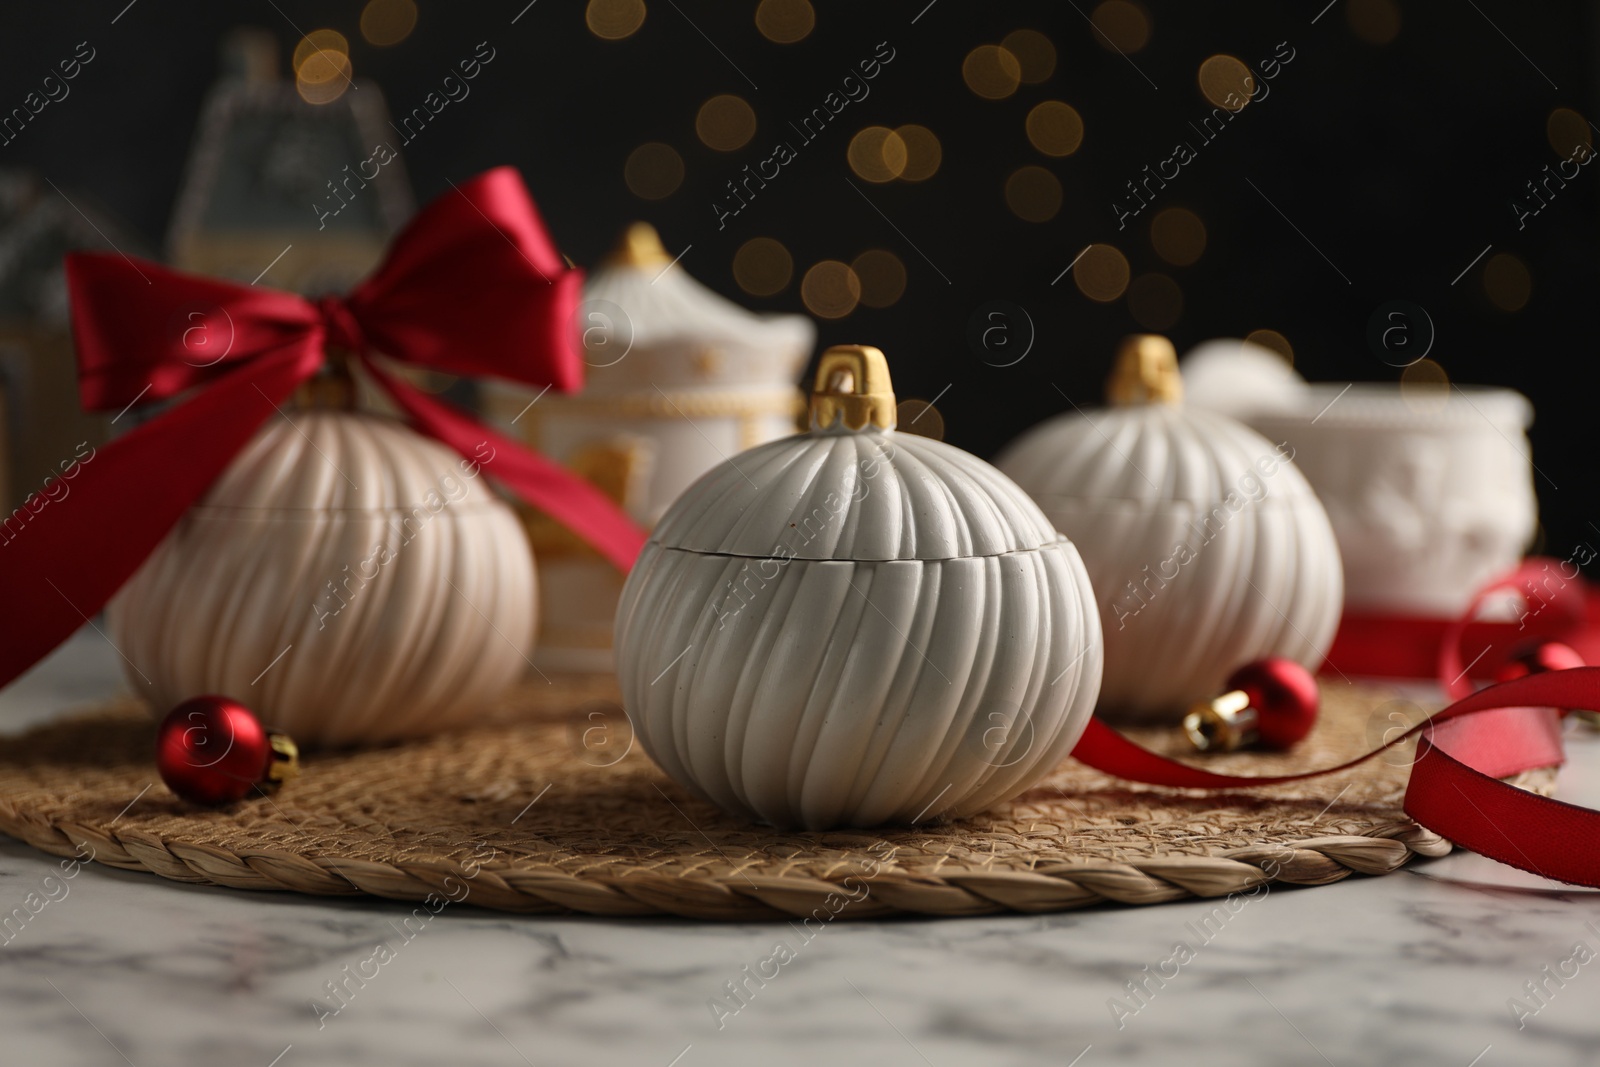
pixel 472 286
pixel 1557 604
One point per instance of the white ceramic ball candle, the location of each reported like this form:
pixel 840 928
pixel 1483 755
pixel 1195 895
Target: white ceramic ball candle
pixel 347 579
pixel 853 626
pixel 1206 547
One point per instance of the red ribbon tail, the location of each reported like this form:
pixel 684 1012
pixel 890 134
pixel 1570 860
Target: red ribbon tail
pixel 548 486
pixel 1455 790
pixel 67 551
pixel 1534 833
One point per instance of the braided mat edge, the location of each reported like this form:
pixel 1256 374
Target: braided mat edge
pixel 617 851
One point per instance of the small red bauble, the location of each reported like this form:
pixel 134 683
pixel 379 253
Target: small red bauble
pixel 1536 657
pixel 212 750
pixel 1271 703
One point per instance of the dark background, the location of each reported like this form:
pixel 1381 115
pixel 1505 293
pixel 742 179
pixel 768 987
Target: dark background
pixel 1400 161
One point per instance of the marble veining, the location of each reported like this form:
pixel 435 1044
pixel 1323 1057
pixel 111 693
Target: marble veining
pixel 1416 968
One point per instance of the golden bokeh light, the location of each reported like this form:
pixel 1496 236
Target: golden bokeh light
pixel 877 154
pixel 919 417
pixel 785 21
pixel 1178 236
pixel 1374 21
pixel 1425 387
pixel 923 152
pixel 387 22
pixel 1054 128
pixel 1123 26
pixel 612 20
pixel 1155 301
pixel 725 122
pixel 1274 340
pixel 319 41
pixel 830 289
pixel 1567 130
pixel 991 72
pixel 653 171
pixel 1226 82
pixel 323 77
pixel 1035 55
pixel 762 266
pixel 1033 194
pixel 1507 282
pixel 1101 273
pixel 882 277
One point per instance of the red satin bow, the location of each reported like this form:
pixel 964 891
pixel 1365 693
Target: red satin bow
pixel 472 286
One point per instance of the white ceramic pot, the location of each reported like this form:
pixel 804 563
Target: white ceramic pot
pixel 1206 547
pixel 1431 497
pixel 347 579
pixel 854 627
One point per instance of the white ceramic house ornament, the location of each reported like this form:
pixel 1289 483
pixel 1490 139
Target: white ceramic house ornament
pixel 678 378
pixel 1206 546
pixel 851 627
pixel 348 579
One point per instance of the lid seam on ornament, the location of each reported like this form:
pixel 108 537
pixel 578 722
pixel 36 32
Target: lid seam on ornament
pixel 1277 502
pixel 1063 540
pixel 219 510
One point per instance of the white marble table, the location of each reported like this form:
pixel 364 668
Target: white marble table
pixel 1415 968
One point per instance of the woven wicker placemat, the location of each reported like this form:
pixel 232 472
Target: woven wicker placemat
pixel 556 811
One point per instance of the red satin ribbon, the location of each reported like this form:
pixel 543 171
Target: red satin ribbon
pixel 1455 788
pixel 472 286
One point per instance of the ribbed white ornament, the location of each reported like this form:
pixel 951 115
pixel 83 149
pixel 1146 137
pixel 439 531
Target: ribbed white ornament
pixel 346 578
pixel 1206 547
pixel 853 627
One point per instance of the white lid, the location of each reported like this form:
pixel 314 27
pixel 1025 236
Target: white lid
pixel 331 460
pixel 1150 453
pixel 855 492
pixel 1387 405
pixel 1238 377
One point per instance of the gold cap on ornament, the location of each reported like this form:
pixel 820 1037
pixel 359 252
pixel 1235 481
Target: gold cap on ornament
pixel 332 388
pixel 1146 372
pixel 853 386
pixel 285 762
pixel 640 246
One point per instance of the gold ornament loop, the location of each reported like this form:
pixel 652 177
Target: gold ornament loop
pixel 1146 372
pixel 332 387
pixel 853 387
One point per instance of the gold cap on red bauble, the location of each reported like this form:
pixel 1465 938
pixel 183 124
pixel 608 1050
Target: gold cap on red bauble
pixel 1271 703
